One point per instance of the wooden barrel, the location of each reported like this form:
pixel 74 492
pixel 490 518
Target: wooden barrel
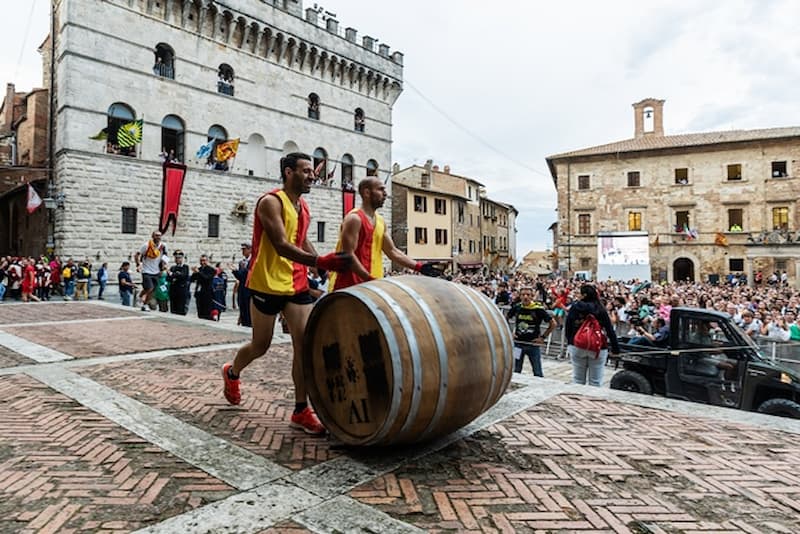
pixel 404 359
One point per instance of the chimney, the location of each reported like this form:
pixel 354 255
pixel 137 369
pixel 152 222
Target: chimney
pixel 8 116
pixel 648 117
pixel 447 169
pixel 436 168
pixel 426 174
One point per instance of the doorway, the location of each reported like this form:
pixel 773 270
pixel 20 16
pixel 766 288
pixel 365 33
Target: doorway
pixel 682 270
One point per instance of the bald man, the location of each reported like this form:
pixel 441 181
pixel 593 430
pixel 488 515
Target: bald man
pixel 363 234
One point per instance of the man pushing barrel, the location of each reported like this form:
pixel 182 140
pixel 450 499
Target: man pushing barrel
pixel 278 280
pixel 363 234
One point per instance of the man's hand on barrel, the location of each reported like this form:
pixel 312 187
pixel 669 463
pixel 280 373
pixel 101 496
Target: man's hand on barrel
pixel 335 261
pixel 430 268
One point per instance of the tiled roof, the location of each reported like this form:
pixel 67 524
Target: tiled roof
pixel 656 142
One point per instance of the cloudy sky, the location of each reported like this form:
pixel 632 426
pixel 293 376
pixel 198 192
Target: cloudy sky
pixel 492 92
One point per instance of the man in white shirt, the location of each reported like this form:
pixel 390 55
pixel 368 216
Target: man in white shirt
pixel 148 262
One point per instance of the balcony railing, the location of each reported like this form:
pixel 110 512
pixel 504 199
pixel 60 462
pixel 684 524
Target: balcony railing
pixel 164 70
pixel 225 88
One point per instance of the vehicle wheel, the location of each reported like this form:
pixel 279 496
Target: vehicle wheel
pixel 781 407
pixel 627 380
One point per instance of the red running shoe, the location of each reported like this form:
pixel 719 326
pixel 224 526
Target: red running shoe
pixel 231 388
pixel 307 421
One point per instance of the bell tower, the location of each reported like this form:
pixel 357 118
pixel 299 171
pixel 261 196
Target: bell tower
pixel 648 117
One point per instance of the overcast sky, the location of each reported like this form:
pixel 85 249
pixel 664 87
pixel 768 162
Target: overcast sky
pixel 492 91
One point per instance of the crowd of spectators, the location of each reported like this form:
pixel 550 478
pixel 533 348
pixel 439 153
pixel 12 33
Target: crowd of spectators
pixel 767 310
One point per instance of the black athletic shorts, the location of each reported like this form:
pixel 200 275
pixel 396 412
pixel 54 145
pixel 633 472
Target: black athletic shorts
pixel 274 304
pixel 149 281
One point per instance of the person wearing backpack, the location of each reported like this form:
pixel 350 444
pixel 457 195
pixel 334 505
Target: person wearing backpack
pixel 588 331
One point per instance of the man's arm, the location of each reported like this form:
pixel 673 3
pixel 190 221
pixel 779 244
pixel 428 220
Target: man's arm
pixel 395 254
pixel 550 326
pixel 351 227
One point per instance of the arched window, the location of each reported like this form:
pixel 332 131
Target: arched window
pixel 289 147
pixel 313 106
pixel 216 135
pixel 118 114
pixel 347 173
pixel 372 168
pixel 359 120
pixel 321 164
pixel 165 61
pixel 172 129
pixel 225 79
pixel 255 156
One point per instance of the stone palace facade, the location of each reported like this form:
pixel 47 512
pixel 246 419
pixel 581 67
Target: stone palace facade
pixel 276 76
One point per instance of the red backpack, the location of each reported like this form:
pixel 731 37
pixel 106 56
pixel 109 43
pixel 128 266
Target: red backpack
pixel 590 336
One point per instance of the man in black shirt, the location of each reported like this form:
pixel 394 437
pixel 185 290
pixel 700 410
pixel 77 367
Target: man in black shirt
pixel 529 317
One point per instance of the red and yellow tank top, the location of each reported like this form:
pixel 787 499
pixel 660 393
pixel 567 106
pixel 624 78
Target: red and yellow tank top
pixel 270 272
pixel 369 251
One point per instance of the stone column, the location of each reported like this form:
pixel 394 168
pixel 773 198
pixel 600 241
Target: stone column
pixel 748 270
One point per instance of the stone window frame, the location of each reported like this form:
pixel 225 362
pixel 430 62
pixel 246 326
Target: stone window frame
pixel 734 172
pixel 129 220
pixel 164 61
pixel 420 235
pixel 634 179
pixel 679 178
pixel 320 161
pixel 732 221
pixel 225 77
pixel 584 182
pixel 584 224
pixel 173 126
pixel 348 165
pixel 687 221
pixel 213 224
pixel 781 215
pixel 440 206
pixel 313 106
pixel 733 267
pixel 372 167
pixel 779 169
pixel 320 231
pixel 118 114
pixel 420 204
pixel 634 221
pixel 218 134
pixel 358 120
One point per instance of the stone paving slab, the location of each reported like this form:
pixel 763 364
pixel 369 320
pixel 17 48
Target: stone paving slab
pixel 65 468
pixel 40 312
pixel 580 464
pixel 125 336
pixel 286 527
pixel 189 387
pixel 10 358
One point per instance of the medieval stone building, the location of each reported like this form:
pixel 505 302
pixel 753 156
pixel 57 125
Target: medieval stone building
pixel 199 73
pixel 712 203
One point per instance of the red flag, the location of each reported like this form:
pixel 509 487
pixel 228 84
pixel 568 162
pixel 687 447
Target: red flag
pixel 34 200
pixel 171 188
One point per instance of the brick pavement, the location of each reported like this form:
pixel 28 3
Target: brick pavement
pixel 568 462
pixel 65 468
pixel 576 464
pixel 189 387
pixel 98 338
pixel 38 312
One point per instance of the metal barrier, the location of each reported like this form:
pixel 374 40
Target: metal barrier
pixel 785 353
